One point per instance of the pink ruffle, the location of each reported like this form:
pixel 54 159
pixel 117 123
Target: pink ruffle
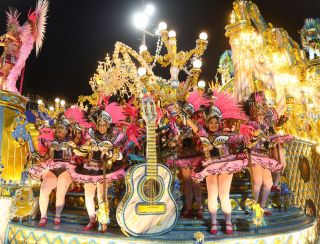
pixel 279 139
pixel 82 178
pixel 186 162
pixel 266 162
pixel 226 167
pixel 36 171
pixel 223 159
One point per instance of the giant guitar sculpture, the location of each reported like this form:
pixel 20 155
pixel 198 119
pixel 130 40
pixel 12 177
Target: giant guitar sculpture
pixel 148 207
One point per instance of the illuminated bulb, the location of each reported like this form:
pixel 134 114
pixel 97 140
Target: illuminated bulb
pixel 172 34
pixel 142 71
pixel 197 64
pixel 203 36
pixel 149 10
pixel 51 108
pixel 40 102
pixel 140 20
pixel 162 26
pixel 62 102
pixel 201 84
pixel 57 100
pixel 143 48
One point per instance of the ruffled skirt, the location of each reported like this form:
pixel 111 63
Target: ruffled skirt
pixel 184 163
pixel 36 171
pixel 281 139
pixel 219 166
pixel 265 162
pixel 91 174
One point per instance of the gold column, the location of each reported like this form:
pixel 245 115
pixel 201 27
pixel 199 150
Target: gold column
pixel 242 58
pixel 13 151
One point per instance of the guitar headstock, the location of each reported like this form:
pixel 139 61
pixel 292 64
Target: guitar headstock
pixel 149 112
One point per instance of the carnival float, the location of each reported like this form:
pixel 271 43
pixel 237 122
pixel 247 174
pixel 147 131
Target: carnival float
pixel 155 155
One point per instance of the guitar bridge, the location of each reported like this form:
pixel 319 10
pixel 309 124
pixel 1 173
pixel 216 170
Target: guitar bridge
pixel 151 208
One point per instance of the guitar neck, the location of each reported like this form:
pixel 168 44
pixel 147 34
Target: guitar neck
pixel 152 170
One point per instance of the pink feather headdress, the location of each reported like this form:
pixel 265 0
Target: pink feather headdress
pixel 197 99
pixel 111 112
pixel 226 107
pixel 76 116
pixel 12 21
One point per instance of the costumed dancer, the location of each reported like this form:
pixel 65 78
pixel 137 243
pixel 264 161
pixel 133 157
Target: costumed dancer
pixel 223 155
pixel 53 169
pixel 104 145
pixel 262 162
pixel 18 43
pixel 79 128
pixel 188 153
pixel 277 141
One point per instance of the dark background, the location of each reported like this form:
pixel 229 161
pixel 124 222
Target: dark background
pixel 79 33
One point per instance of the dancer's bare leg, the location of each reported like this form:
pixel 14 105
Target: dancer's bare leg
pixel 266 186
pixel 224 185
pixel 49 182
pixel 63 183
pixel 188 191
pixel 90 192
pixel 279 155
pixel 257 181
pixel 212 188
pixel 197 193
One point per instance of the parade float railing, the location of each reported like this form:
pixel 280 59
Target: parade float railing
pixel 303 174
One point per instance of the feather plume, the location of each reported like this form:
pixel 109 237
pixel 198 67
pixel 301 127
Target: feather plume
pixel 133 133
pixel 131 111
pixel 259 98
pixel 115 111
pixel 246 131
pixel 228 106
pixel 197 99
pixel 12 18
pixel 76 115
pixel 41 13
pixel 15 72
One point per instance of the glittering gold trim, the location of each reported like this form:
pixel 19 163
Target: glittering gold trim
pixel 17 233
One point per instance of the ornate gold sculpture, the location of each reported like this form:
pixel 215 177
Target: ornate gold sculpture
pixel 23 203
pixel 264 57
pixel 129 73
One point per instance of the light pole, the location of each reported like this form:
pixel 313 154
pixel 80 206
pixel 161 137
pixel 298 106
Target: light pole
pixel 141 20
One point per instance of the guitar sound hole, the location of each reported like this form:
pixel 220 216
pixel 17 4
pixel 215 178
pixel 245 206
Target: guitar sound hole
pixel 151 189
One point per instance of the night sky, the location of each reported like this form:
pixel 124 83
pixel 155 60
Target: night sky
pixel 79 33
